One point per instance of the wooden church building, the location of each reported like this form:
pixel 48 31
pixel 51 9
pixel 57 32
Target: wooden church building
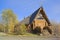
pixel 38 20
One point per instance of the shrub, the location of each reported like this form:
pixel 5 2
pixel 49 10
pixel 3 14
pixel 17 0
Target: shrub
pixel 56 28
pixel 1 28
pixel 22 29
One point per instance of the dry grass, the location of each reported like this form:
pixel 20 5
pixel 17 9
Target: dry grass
pixel 56 28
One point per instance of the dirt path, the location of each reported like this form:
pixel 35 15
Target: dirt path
pixel 27 38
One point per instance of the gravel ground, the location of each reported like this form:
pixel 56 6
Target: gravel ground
pixel 28 38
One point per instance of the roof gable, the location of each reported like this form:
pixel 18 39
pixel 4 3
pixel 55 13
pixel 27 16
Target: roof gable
pixel 30 19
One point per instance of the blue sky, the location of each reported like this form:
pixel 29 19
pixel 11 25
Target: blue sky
pixel 24 8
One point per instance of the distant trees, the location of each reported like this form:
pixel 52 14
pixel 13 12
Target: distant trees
pixel 9 19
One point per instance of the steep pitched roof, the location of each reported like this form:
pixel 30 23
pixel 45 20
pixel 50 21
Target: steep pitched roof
pixel 45 16
pixel 26 20
pixel 30 18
